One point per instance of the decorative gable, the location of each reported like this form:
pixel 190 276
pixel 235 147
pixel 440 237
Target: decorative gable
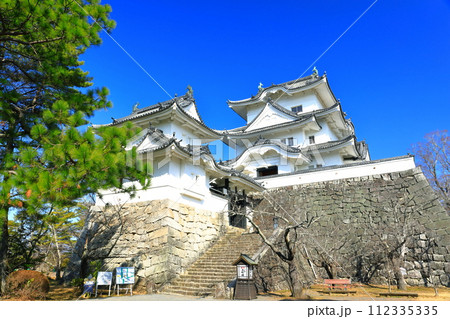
pixel 148 143
pixel 192 111
pixel 267 117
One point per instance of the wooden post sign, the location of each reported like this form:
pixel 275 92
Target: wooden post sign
pixel 242 270
pixel 104 279
pixel 125 276
pixel 245 285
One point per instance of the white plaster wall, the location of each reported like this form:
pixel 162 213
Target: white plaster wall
pixel 193 177
pixel 269 116
pixel 190 109
pixel 177 180
pixel 297 133
pixel 186 135
pixel 309 101
pixel 327 159
pixel 253 111
pixel 388 166
pixel 165 126
pixel 181 133
pixel 324 135
pixel 284 165
pixel 209 201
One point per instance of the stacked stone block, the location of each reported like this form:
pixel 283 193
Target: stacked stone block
pixel 348 210
pixel 159 238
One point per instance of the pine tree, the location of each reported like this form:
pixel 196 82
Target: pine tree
pixel 59 240
pixel 47 155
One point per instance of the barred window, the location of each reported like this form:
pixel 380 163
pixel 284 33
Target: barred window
pixel 297 109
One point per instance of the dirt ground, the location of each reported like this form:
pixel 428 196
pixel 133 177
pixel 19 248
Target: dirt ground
pixel 363 292
pixel 369 292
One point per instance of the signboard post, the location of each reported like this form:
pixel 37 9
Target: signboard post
pixel 124 276
pixel 245 285
pixel 104 279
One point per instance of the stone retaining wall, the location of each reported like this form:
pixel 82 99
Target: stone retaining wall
pixel 159 238
pixel 355 215
pixel 162 238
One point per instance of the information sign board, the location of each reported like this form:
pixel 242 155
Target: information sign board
pixel 104 278
pixel 124 275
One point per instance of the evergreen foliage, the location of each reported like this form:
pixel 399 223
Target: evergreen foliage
pixel 47 155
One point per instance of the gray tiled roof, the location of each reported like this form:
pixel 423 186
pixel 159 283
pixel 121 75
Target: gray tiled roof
pixel 323 146
pixel 305 151
pixel 298 121
pixel 291 85
pixel 264 141
pixel 182 102
pixel 299 117
pixel 157 136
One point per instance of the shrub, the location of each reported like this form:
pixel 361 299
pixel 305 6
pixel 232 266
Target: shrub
pixel 77 282
pixel 27 285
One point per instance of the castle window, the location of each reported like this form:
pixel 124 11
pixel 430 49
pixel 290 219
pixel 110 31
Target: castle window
pixel 267 171
pixel 288 141
pixel 312 139
pixel 297 109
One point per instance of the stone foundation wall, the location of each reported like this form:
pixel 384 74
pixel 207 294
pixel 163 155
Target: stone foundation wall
pixel 354 216
pixel 159 238
pixel 162 238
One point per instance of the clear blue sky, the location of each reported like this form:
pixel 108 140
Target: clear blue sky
pixel 390 70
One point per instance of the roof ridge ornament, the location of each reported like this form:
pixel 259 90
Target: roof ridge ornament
pixel 315 72
pixel 135 107
pixel 190 91
pixel 260 87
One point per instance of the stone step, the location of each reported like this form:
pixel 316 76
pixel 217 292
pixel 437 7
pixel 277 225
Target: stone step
pixel 202 278
pixel 189 292
pixel 209 273
pixel 210 282
pixel 207 264
pixel 215 265
pixel 190 284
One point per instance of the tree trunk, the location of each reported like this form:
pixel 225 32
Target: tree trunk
pixel 296 284
pixel 58 255
pixel 330 269
pixel 401 283
pixel 3 246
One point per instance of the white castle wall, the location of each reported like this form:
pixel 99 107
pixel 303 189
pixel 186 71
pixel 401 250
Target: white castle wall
pixel 310 102
pixel 329 174
pixel 178 181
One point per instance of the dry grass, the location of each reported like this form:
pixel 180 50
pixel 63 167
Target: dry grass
pixel 26 285
pixel 363 292
pixel 367 292
pixel 59 292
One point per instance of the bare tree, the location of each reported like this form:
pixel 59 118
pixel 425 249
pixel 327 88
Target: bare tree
pixel 264 214
pixel 393 226
pixel 327 250
pixel 102 225
pixel 423 256
pixel 433 155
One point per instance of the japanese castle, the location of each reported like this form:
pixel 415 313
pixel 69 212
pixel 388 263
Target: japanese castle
pixel 296 133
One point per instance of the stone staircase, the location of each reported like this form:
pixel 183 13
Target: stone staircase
pixel 215 265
